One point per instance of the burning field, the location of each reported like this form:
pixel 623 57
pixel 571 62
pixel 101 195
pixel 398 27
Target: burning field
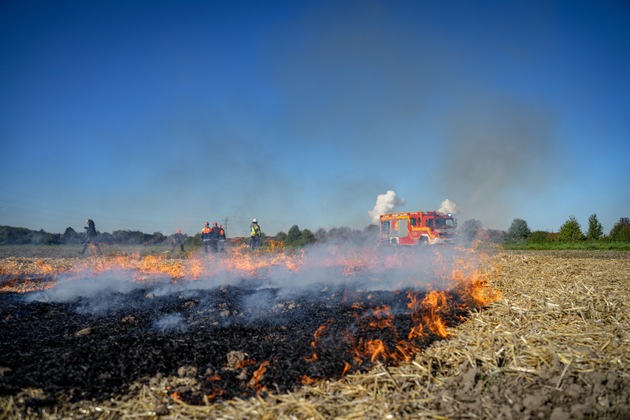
pixel 325 332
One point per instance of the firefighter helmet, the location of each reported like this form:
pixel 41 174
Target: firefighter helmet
pixel 254 221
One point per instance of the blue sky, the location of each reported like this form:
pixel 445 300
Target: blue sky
pixel 158 115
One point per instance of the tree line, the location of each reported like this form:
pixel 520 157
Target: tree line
pixel 22 236
pixel 469 231
pixel 295 237
pixel 570 231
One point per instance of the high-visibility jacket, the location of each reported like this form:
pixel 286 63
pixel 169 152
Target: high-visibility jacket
pixel 205 233
pixel 255 230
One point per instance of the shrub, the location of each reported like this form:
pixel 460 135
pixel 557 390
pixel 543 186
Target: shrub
pixel 542 237
pixel 621 230
pixel 518 231
pixel 294 235
pixel 571 231
pixel 595 229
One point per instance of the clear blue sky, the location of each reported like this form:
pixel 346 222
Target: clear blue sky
pixel 158 115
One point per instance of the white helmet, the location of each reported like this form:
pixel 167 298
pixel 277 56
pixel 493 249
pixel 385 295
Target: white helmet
pixel 254 221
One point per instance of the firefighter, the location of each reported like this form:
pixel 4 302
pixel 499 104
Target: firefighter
pixel 206 234
pixel 221 239
pixel 90 237
pixel 254 234
pixel 214 237
pixel 178 238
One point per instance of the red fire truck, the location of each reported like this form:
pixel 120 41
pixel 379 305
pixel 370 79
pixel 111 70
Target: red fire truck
pixel 417 228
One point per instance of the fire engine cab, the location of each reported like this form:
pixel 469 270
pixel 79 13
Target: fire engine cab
pixel 417 228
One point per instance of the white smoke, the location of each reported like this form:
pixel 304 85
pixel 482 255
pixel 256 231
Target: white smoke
pixel 170 322
pixel 448 206
pixel 385 203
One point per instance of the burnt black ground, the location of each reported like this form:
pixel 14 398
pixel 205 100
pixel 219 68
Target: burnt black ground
pixel 74 353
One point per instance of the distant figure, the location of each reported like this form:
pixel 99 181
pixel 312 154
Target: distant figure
pixel 221 239
pixel 178 238
pixel 90 237
pixel 206 234
pixel 254 234
pixel 214 237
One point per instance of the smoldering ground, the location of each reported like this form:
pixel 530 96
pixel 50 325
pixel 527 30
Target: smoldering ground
pixel 311 313
pixel 290 275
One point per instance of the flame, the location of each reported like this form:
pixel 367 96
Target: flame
pixel 258 375
pixel 143 269
pixel 346 369
pixel 471 282
pixel 375 337
pixel 317 336
pixel 307 380
pixel 434 303
pixel 384 317
pixel 376 349
pixel 215 391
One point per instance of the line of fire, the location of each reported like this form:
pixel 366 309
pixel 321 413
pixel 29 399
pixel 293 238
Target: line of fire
pixel 236 325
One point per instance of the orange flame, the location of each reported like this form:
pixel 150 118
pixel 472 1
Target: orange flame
pixel 384 317
pixel 307 380
pixel 258 375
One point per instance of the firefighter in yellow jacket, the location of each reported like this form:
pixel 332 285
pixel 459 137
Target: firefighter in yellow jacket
pixel 255 234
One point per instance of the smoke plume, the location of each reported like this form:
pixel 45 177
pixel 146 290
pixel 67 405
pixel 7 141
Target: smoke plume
pixel 385 203
pixel 447 206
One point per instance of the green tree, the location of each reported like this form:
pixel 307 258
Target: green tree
pixel 320 234
pixel 469 230
pixel 595 229
pixel 282 237
pixel 294 235
pixel 70 236
pixel 518 231
pixel 571 231
pixel 307 237
pixel 621 230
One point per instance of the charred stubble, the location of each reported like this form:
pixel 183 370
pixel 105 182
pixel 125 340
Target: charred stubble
pixel 73 354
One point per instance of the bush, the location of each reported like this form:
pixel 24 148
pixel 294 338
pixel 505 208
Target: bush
pixel 621 230
pixel 518 231
pixel 306 238
pixel 294 235
pixel 281 237
pixel 491 236
pixel 542 237
pixel 595 229
pixel 571 231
